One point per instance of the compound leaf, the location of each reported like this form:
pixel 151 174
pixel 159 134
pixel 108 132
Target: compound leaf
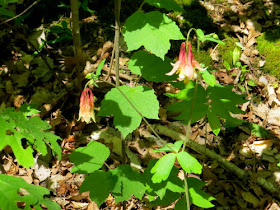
pixel 126 119
pixel 100 184
pixel 15 127
pixel 153 30
pixel 170 147
pixel 189 163
pixel 90 158
pixel 163 167
pixel 128 183
pixel 10 194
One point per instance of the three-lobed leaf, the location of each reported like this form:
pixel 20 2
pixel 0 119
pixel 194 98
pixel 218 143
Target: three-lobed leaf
pixel 153 30
pixel 11 188
pixel 126 119
pixel 90 158
pixel 169 147
pixel 189 163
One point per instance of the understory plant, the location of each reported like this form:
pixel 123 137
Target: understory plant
pixel 147 35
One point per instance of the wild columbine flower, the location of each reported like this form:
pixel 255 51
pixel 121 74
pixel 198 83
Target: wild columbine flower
pixel 186 64
pixel 86 111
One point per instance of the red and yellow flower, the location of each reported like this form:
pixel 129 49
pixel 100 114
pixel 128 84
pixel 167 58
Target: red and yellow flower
pixel 86 112
pixel 186 64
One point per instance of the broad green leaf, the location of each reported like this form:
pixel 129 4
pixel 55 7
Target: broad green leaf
pixel 163 167
pixel 128 183
pixel 151 67
pixel 166 4
pixel 153 30
pixel 173 183
pixel 15 127
pixel 258 131
pixel 99 184
pixel 10 194
pixel 189 163
pixel 198 196
pixel 199 33
pixel 90 158
pixel 99 68
pixel 126 119
pixel 208 78
pixel 184 106
pixel 218 101
pixel 167 199
pixel 169 147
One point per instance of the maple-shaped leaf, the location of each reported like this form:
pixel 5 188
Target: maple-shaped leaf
pixel 10 194
pixel 99 184
pixel 166 4
pixel 90 158
pixel 197 196
pixel 172 183
pixel 15 128
pixel 153 30
pixel 126 119
pixel 151 67
pixel 128 183
pixel 216 102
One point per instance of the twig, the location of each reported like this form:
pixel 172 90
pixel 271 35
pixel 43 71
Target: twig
pixel 20 14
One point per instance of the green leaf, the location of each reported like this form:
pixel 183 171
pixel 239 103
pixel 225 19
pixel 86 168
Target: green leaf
pixel 169 147
pixel 151 67
pixel 153 30
pixel 166 4
pixel 258 130
pixel 226 65
pixel 163 167
pixel 128 183
pixel 198 196
pixel 90 158
pixel 15 127
pixel 215 101
pixel 100 184
pixel 99 68
pixel 208 78
pixel 185 105
pixel 126 119
pixel 28 109
pixel 10 194
pixel 167 199
pixel 199 33
pixel 189 163
pixel 173 183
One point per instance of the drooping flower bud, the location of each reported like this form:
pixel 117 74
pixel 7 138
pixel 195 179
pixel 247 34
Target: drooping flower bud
pixel 86 111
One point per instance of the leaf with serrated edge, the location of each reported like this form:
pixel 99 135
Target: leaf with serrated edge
pixel 126 119
pixel 173 183
pixel 128 183
pixel 99 184
pixel 166 4
pixel 9 194
pixel 162 168
pixel 90 158
pixel 151 67
pixel 153 30
pixel 189 163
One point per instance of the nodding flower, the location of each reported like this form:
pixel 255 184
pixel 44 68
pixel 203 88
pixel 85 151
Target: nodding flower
pixel 186 64
pixel 86 111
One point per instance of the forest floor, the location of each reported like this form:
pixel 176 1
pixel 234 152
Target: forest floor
pixel 255 149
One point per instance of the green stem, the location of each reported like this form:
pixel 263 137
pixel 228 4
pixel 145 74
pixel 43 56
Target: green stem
pixel 198 46
pixel 140 8
pixel 189 32
pixel 187 192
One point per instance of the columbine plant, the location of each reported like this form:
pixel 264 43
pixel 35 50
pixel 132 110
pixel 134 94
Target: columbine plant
pixel 186 64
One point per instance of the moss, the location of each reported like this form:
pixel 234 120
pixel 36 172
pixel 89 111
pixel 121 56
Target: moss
pixel 225 50
pixel 203 57
pixel 268 45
